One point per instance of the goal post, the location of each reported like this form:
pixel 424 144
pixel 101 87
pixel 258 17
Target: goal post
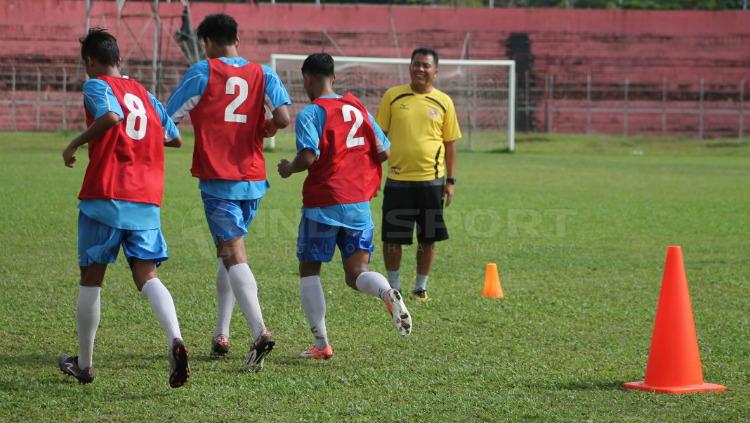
pixel 483 91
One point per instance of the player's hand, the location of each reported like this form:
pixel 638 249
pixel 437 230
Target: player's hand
pixel 69 155
pixel 448 194
pixel 269 128
pixel 285 168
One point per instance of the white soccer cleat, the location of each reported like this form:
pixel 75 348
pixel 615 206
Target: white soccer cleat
pixel 398 311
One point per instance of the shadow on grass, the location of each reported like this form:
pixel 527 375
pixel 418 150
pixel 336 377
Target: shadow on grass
pixel 28 361
pixel 727 144
pixel 139 397
pixel 296 361
pixel 504 150
pixel 578 385
pixel 608 385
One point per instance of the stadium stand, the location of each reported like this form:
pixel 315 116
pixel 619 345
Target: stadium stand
pixel 662 55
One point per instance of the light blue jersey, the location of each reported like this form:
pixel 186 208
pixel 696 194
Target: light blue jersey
pixel 187 95
pixel 309 129
pixel 98 99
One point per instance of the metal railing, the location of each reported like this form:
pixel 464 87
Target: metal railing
pixel 48 97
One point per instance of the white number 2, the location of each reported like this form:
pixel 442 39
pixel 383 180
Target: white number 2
pixel 232 84
pixel 136 117
pixel 350 111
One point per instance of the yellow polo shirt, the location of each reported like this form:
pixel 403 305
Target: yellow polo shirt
pixel 417 125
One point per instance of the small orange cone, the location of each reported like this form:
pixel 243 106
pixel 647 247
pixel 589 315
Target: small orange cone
pixel 492 287
pixel 674 362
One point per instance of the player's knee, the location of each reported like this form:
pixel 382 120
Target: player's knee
pixel 232 252
pixel 142 271
pixel 391 247
pixel 351 281
pixel 309 268
pixel 140 278
pixel 93 276
pixel 351 273
pixel 426 247
pixel 94 283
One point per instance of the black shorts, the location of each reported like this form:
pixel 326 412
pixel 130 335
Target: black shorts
pixel 406 203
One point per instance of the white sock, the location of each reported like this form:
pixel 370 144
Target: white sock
pixel 394 279
pixel 88 313
pixel 421 283
pixel 245 290
pixel 314 305
pixel 163 306
pixel 373 283
pixel 224 300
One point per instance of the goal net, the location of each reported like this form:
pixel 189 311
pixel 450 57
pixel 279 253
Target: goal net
pixel 483 91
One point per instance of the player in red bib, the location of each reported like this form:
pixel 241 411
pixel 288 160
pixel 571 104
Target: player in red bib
pixel 121 199
pixel 225 97
pixel 342 148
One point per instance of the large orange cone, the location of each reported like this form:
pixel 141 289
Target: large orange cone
pixel 674 362
pixel 492 287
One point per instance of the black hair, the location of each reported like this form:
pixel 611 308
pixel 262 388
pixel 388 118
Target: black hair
pixel 219 28
pixel 425 51
pixel 101 46
pixel 318 64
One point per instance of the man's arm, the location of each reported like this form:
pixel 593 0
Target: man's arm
pixel 450 169
pixel 308 130
pixel 384 113
pixel 96 130
pixel 280 120
pixel 451 133
pixel 383 143
pixel 171 133
pixel 188 92
pixel 301 162
pixel 277 100
pixel 174 142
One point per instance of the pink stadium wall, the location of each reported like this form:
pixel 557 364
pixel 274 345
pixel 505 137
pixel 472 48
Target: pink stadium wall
pixel 644 47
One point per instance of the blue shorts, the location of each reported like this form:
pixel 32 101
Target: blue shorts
pixel 317 241
pixel 228 219
pixel 100 243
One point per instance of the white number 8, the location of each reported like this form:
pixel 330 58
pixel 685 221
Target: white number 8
pixel 350 112
pixel 136 117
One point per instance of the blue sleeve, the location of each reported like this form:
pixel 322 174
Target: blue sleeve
pixel 309 128
pixel 99 99
pixel 382 138
pixel 276 94
pixel 170 130
pixel 188 91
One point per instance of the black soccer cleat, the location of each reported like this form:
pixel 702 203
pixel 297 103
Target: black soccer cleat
pixel 69 366
pixel 219 346
pixel 261 347
pixel 179 367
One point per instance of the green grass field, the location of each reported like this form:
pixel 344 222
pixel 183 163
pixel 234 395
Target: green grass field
pixel 578 226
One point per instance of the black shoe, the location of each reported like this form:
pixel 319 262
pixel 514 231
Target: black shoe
pixel 219 346
pixel 261 347
pixel 420 295
pixel 178 359
pixel 69 366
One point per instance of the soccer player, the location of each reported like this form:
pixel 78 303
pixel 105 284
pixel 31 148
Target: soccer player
pixel 342 148
pixel 120 199
pixel 421 122
pixel 225 96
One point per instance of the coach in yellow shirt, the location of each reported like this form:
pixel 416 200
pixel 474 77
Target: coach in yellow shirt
pixel 421 124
